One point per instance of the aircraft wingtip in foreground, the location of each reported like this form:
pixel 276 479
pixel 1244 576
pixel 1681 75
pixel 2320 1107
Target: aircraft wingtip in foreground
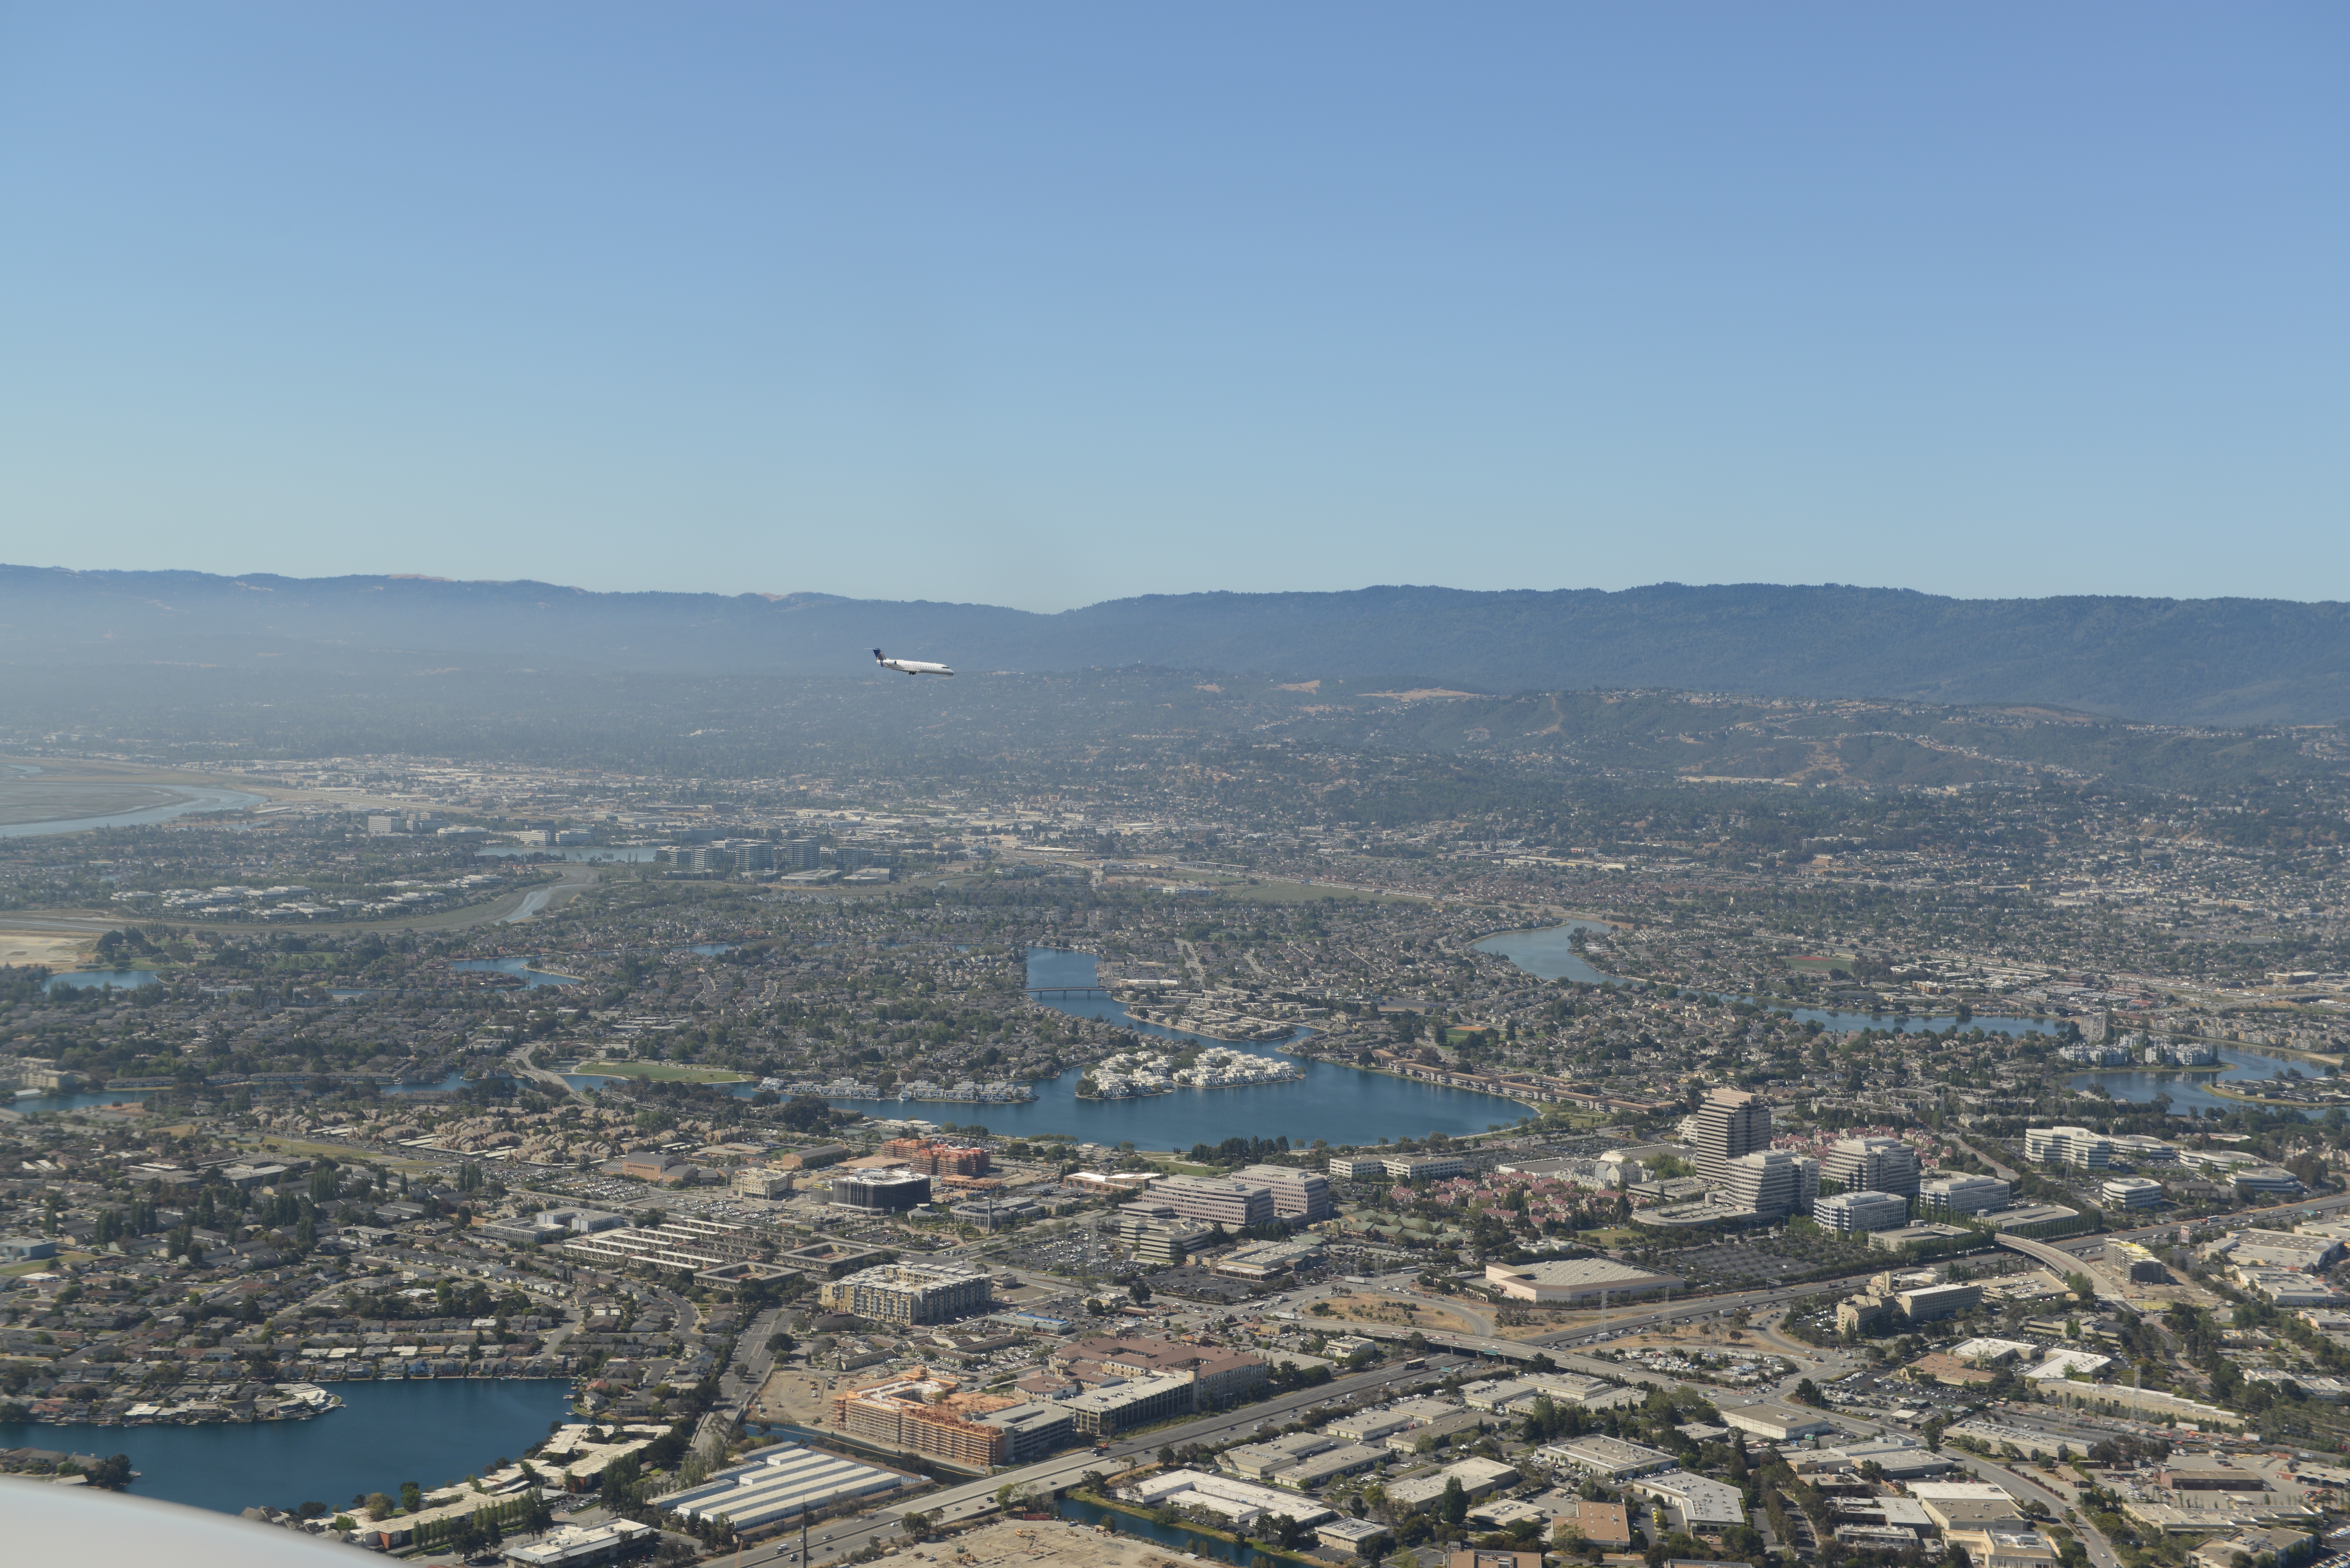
pixel 910 665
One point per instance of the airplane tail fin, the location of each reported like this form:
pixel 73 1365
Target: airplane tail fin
pixel 877 655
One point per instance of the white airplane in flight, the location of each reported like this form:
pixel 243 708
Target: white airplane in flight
pixel 910 665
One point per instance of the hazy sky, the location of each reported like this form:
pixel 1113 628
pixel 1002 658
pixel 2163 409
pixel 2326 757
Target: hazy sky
pixel 1042 305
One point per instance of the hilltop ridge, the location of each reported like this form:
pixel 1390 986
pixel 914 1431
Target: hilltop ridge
pixel 2217 661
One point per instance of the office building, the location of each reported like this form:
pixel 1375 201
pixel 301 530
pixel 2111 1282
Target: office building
pixel 1961 1195
pixel 1216 1200
pixel 2076 1147
pixel 1419 1167
pixel 1157 1235
pixel 1777 1423
pixel 908 1293
pixel 1730 1123
pixel 1609 1459
pixel 2131 1192
pixel 1872 1164
pixel 1355 1168
pixel 1769 1181
pixel 1847 1213
pixel 1299 1197
pixel 881 1191
pixel 584 1546
pixel 1929 1304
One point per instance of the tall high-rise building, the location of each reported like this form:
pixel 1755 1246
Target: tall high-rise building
pixel 1872 1164
pixel 1730 1123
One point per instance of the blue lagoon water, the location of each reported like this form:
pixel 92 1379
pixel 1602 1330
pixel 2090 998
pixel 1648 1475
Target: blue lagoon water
pixel 428 1431
pixel 1343 1105
pixel 2192 1087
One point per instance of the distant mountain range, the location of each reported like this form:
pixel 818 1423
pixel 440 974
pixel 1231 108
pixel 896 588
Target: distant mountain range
pixel 2213 661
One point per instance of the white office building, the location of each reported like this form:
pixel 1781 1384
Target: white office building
pixel 1772 1182
pixel 2076 1147
pixel 1961 1195
pixel 1301 1197
pixel 1872 1165
pixel 1850 1213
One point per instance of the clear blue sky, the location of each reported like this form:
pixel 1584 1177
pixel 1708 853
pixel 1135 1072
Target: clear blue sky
pixel 1040 304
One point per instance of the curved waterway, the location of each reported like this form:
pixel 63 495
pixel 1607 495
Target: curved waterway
pixel 65 805
pixel 430 1431
pixel 1549 954
pixel 1342 1105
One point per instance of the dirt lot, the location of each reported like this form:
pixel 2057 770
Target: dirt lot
pixel 1400 1312
pixel 54 949
pixel 801 1397
pixel 1046 1545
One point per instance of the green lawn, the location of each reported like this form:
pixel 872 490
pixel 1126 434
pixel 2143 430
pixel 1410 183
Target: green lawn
pixel 668 1071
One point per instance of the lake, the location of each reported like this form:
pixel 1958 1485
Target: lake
pixel 2189 1088
pixel 1341 1104
pixel 430 1431
pixel 73 1099
pixel 1549 954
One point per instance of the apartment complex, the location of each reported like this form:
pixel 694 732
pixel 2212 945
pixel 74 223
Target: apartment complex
pixel 923 1413
pixel 907 1293
pixel 933 1158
